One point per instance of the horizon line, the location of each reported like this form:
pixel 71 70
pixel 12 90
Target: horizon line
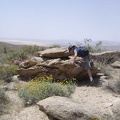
pixel 50 39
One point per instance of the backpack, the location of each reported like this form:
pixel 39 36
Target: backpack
pixel 82 51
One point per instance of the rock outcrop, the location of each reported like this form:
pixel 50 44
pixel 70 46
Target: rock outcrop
pixel 116 64
pixel 59 67
pixel 54 53
pixel 55 62
pixel 106 57
pixel 62 108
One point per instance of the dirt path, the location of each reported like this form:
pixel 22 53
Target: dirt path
pixel 97 97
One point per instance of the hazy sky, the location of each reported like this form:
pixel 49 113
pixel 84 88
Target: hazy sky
pixel 60 19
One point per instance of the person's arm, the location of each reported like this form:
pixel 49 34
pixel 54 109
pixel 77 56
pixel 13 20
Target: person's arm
pixel 75 56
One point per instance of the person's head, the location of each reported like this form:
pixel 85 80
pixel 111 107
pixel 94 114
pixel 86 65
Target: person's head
pixel 71 48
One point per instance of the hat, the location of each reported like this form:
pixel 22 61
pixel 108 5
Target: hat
pixel 71 47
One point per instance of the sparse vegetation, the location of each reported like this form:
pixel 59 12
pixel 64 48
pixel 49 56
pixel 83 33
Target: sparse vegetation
pixel 40 88
pixel 96 48
pixel 2 101
pixel 87 44
pixel 6 72
pixel 31 50
pixel 20 54
pixel 2 91
pixel 104 68
pixel 114 83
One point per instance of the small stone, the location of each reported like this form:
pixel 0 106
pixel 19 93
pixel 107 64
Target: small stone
pixel 29 102
pixel 100 74
pixel 108 105
pixel 104 77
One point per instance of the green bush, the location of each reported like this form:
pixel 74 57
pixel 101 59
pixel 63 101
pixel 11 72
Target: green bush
pixel 32 49
pixel 6 72
pixel 21 54
pixel 41 88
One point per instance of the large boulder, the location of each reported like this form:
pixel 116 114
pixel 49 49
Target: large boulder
pixel 62 108
pixel 31 113
pixel 54 62
pixel 27 64
pixel 37 59
pixel 54 53
pixel 106 57
pixel 15 102
pixel 30 72
pixel 116 64
pixel 59 69
pixel 28 113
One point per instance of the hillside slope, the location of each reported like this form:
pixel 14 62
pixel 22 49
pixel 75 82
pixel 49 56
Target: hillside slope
pixel 10 46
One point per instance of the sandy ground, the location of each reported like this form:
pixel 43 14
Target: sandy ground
pixel 98 97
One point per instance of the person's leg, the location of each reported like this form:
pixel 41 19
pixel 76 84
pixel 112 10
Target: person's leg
pixel 87 67
pixel 90 75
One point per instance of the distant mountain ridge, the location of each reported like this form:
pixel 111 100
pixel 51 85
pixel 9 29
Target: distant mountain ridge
pixel 18 44
pixel 57 41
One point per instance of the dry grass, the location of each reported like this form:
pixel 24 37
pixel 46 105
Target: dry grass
pixel 114 82
pixel 10 46
pixel 3 102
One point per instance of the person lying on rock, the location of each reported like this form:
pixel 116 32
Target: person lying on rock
pixel 83 53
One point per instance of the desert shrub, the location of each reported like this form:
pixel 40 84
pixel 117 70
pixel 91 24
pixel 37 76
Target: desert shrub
pixel 41 88
pixel 9 57
pixel 87 44
pixel 4 106
pixel 92 48
pixel 21 54
pixel 2 91
pixel 2 101
pixel 114 84
pixel 27 51
pixel 32 49
pixel 98 47
pixel 104 68
pixel 3 58
pixel 6 72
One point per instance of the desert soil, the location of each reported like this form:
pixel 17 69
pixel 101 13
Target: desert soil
pixel 98 97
